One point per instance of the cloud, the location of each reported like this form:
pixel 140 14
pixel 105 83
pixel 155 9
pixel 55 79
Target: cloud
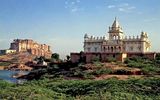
pixel 73 5
pixel 111 6
pixel 131 7
pixel 77 1
pixel 123 7
pixel 66 2
pixel 74 10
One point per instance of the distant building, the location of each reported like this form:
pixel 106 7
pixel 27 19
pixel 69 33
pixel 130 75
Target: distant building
pixel 117 42
pixel 7 51
pixel 117 46
pixel 31 46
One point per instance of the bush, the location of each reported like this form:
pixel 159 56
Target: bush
pixel 95 59
pixel 150 70
pixel 102 71
pixel 148 67
pixel 111 59
pixel 111 89
pixel 5 63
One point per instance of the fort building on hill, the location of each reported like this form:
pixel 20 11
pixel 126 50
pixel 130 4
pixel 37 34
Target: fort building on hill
pixel 28 45
pixel 117 45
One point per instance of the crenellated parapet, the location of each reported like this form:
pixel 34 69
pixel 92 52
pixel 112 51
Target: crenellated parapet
pixel 132 38
pixel 22 40
pixel 142 37
pixel 93 38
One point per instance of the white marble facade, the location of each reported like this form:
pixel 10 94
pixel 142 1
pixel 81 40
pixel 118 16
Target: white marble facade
pixel 117 42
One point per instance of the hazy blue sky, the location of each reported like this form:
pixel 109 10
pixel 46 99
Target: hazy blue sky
pixel 63 23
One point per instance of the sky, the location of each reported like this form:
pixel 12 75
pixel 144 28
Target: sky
pixel 63 23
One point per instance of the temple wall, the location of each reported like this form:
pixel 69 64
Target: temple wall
pixel 103 57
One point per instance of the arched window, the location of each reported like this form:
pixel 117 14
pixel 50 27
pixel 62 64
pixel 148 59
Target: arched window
pixel 111 49
pixel 89 49
pixel 139 48
pixel 95 49
pixel 119 48
pixel 104 49
pixel 131 48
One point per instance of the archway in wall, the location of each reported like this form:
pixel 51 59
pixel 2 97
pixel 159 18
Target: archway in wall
pixel 111 49
pixel 119 48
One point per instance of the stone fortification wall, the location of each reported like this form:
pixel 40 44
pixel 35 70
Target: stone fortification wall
pixel 31 46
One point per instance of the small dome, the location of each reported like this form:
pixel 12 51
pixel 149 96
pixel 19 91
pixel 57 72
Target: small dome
pixel 144 34
pixel 86 35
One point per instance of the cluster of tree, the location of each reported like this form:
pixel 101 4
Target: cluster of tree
pixel 48 84
pixel 148 67
pixel 111 89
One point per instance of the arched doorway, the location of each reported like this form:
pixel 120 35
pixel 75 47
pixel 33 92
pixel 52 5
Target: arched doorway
pixel 111 49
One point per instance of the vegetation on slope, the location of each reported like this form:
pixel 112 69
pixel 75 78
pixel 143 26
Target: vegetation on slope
pixel 50 83
pixel 111 89
pixel 148 67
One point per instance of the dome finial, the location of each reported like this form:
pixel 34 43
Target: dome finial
pixel 115 23
pixel 115 18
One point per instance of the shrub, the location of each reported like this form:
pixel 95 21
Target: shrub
pixel 111 59
pixel 150 70
pixel 95 59
pixel 110 89
pixel 102 71
pixel 5 63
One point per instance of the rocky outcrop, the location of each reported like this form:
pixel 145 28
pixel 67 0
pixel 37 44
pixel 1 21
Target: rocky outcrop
pixel 18 67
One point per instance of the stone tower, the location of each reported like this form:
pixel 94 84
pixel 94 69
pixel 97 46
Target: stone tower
pixel 145 44
pixel 115 32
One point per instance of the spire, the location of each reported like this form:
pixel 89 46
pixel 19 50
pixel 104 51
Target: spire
pixel 115 30
pixel 115 26
pixel 115 23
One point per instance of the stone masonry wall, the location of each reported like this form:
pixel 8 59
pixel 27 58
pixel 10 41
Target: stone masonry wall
pixel 31 46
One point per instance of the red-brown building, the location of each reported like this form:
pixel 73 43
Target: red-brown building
pixel 104 57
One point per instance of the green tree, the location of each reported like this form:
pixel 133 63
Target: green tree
pixel 68 58
pixel 40 59
pixel 55 56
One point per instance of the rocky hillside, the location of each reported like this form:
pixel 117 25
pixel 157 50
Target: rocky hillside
pixel 15 59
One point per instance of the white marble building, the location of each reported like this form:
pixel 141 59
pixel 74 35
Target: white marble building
pixel 117 42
